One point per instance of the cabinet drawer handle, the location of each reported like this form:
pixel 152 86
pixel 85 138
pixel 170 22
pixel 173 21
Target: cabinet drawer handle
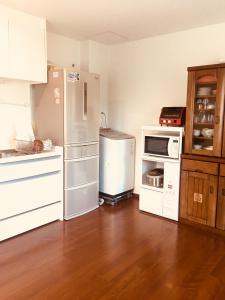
pixel 217 120
pixel 223 192
pixel 211 189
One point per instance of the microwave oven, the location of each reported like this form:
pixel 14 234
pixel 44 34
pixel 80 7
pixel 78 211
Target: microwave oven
pixel 162 145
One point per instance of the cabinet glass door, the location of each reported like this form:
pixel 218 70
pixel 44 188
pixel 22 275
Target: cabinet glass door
pixel 204 112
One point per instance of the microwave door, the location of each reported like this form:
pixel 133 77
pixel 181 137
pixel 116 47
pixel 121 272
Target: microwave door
pixel 156 145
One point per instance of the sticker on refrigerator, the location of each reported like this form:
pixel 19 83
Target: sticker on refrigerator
pixel 73 76
pixel 55 74
pixel 56 92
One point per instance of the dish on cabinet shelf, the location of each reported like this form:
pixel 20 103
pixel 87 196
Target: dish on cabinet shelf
pixel 210 106
pixel 196 132
pixel 207 132
pixel 208 148
pixel 204 90
pixel 197 147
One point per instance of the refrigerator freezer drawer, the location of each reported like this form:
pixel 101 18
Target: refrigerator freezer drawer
pixel 80 172
pixel 81 200
pixel 73 152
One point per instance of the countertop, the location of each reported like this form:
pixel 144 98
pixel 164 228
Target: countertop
pixel 57 150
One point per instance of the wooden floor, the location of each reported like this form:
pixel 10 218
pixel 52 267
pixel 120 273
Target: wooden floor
pixel 114 252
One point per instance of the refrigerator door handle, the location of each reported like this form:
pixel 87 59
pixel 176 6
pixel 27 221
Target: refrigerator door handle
pixel 84 101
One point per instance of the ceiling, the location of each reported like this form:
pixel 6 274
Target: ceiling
pixel 115 21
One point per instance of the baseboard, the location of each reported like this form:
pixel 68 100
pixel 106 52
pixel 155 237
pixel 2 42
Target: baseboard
pixel 206 228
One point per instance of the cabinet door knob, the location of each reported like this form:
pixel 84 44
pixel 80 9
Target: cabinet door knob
pixel 211 189
pixel 217 120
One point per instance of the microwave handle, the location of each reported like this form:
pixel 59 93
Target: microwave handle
pixel 170 146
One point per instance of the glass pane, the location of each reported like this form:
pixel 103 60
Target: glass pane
pixel 156 145
pixel 204 115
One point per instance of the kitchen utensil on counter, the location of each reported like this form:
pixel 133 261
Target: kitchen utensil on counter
pixel 38 146
pixel 23 145
pixel 173 116
pixel 155 177
pixel 47 145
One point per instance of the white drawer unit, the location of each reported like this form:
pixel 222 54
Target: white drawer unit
pixel 80 200
pixel 31 191
pixel 76 152
pixel 86 168
pixel 81 179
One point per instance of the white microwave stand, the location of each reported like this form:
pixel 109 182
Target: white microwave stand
pixel 162 201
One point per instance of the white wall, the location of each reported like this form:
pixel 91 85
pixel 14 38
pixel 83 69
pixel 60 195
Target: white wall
pixel 99 63
pixel 148 74
pixel 15 113
pixel 63 51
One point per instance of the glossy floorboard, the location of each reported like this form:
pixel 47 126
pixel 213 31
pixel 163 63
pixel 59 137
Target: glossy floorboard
pixel 113 253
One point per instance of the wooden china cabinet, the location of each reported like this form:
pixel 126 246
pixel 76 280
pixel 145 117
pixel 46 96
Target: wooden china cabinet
pixel 202 193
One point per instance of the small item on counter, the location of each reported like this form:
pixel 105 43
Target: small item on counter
pixel 38 146
pixel 47 145
pixel 155 177
pixel 172 116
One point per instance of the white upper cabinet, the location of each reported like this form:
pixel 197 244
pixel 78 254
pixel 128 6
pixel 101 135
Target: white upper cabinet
pixel 27 48
pixel 4 48
pixel 24 54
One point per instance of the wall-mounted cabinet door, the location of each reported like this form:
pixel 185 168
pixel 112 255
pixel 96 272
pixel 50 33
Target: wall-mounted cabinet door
pixel 27 48
pixel 205 106
pixel 4 48
pixel 198 197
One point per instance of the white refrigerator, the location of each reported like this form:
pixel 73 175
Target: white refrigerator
pixel 66 110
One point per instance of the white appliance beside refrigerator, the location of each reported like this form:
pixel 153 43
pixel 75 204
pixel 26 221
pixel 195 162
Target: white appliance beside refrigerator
pixel 117 156
pixel 66 110
pixel 161 149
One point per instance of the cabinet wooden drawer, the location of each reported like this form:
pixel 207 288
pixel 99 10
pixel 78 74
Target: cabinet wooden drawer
pixel 200 166
pixel 222 170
